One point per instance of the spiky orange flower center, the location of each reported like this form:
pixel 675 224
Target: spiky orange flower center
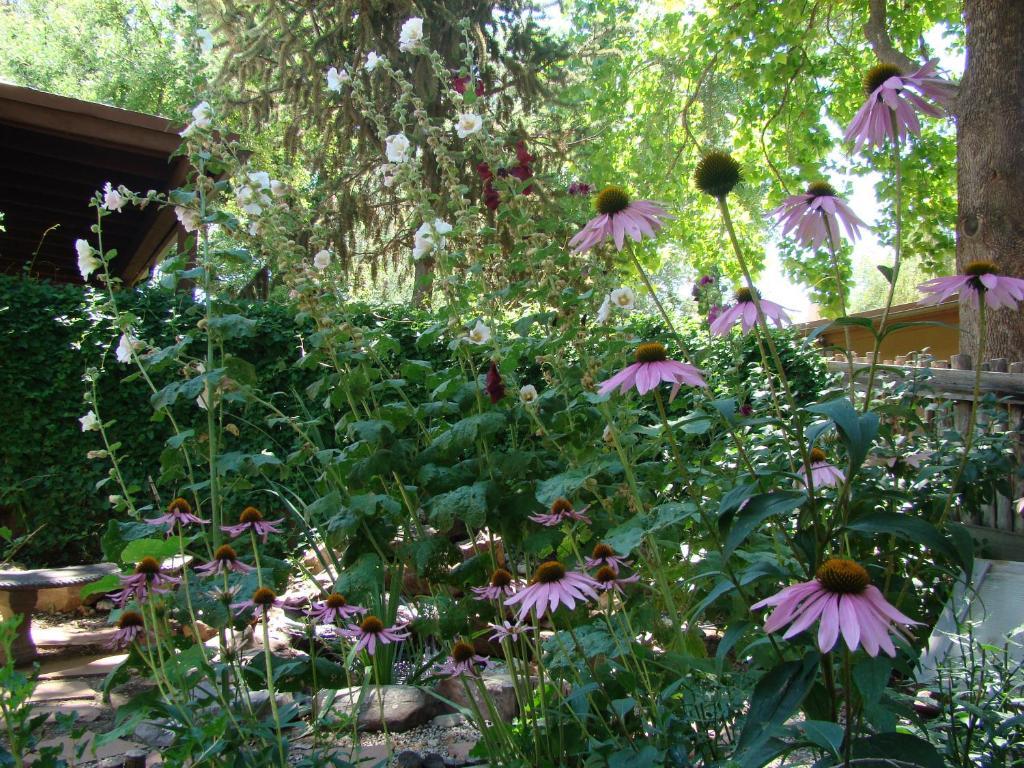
pixel 130 619
pixel 501 578
pixel 979 268
pixel 148 565
pixel 334 600
pixel 745 295
pixel 818 456
pixel 225 552
pixel 463 651
pixel 549 573
pixel 820 189
pixel 264 596
pixel 843 577
pixel 716 174
pixel 605 574
pixel 560 506
pixel 651 352
pixel 181 506
pixel 601 551
pixel 878 75
pixel 611 199
pixel 250 515
pixel 372 625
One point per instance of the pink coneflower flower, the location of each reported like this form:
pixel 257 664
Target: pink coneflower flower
pixel 842 597
pixel 617 217
pixel 262 600
pixel 553 586
pixel 179 512
pixel 225 560
pixel 714 312
pixel 652 367
pixel 372 631
pixel 562 512
pixel 501 585
pixel 333 610
pixel 816 215
pixel 745 312
pixel 894 99
pixel 464 660
pixel 493 385
pixel 979 279
pixel 823 473
pixel 146 580
pixel 508 630
pixel 129 628
pixel 608 579
pixel 604 556
pixel 251 519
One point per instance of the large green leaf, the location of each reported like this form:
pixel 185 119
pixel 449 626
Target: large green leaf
pixel 776 697
pixel 468 504
pixel 758 509
pixel 914 529
pixel 857 431
pixel 881 749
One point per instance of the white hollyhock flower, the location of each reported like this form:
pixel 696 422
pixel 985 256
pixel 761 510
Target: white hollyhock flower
pixel 205 41
pixel 260 178
pixel 112 199
pixel 187 217
pixel 623 298
pixel 468 124
pixel 125 346
pixel 337 78
pixel 479 334
pixel 528 394
pixel 202 115
pixel 411 34
pixel 604 313
pixel 322 260
pixel 87 260
pixel 90 422
pixel 397 148
pixel 372 60
pixel 277 188
pixel 430 236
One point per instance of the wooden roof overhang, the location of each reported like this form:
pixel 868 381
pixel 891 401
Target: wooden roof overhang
pixel 55 152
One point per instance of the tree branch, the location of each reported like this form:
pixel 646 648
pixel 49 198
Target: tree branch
pixel 878 38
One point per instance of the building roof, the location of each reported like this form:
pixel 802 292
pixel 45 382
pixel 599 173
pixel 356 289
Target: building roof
pixel 55 152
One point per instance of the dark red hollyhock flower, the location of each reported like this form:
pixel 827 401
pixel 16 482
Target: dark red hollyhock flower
pixel 459 83
pixel 495 387
pixel 522 155
pixel 580 189
pixel 483 170
pixel 522 171
pixel 491 197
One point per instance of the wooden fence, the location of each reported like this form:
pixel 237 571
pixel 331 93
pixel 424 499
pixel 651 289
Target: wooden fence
pixel 999 526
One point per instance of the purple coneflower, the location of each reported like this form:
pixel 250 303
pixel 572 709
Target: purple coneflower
pixel 651 368
pixel 464 660
pixel 604 556
pixel 251 519
pixel 823 473
pixel 979 279
pixel 146 580
pixel 608 579
pixel 262 600
pixel 501 585
pixel 617 217
pixel 553 586
pixel 333 610
pixel 129 627
pixel 179 512
pixel 816 215
pixel 508 630
pixel 842 597
pixel 894 99
pixel 745 312
pixel 561 512
pixel 225 560
pixel 372 631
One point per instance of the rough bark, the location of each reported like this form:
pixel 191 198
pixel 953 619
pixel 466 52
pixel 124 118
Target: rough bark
pixel 990 164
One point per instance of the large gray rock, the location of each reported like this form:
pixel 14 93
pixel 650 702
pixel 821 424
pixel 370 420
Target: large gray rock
pixel 500 691
pixel 401 707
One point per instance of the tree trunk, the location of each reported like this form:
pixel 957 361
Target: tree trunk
pixel 990 164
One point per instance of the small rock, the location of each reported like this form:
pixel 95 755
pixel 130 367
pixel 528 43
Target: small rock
pixel 500 690
pixel 105 605
pixel 403 706
pixel 205 631
pixel 408 759
pixel 433 760
pixel 448 721
pixel 153 734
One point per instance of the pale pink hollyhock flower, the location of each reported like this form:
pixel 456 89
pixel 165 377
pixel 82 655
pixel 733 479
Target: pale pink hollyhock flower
pixel 816 215
pixel 617 217
pixel 372 631
pixel 179 512
pixel 508 630
pixel 842 597
pixel 553 586
pixel 129 628
pixel 465 660
pixel 609 580
pixel 251 519
pixel 604 556
pixel 744 311
pixel 824 474
pixel 112 198
pixel 262 600
pixel 334 609
pixel 147 580
pixel 979 279
pixel 225 560
pixel 652 367
pixel 500 585
pixel 562 511
pixel 894 99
